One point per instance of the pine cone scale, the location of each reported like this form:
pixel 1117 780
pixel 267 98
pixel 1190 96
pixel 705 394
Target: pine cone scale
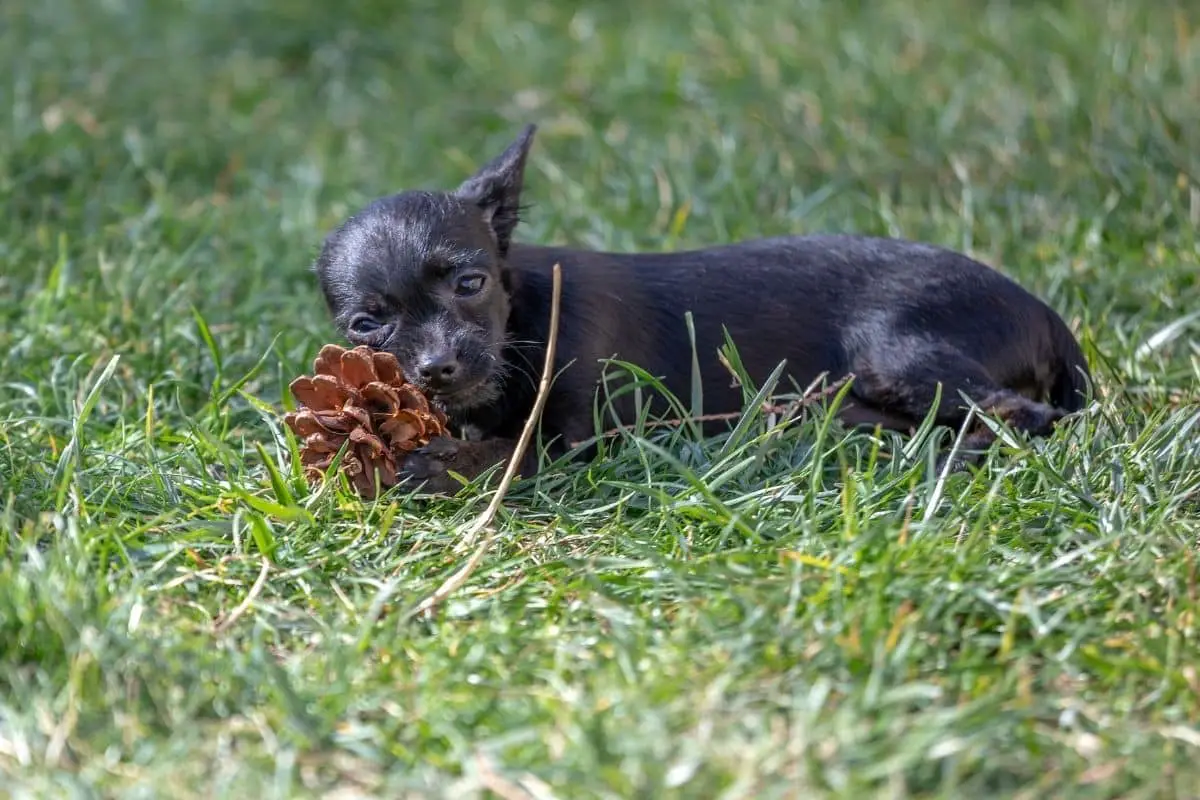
pixel 381 398
pixel 368 443
pixel 356 415
pixel 403 426
pixel 387 368
pixel 321 442
pixel 333 423
pixel 303 422
pixel 358 368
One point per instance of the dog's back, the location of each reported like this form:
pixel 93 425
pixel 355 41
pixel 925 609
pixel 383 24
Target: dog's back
pixel 817 302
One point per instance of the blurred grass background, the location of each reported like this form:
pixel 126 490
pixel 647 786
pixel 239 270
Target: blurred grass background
pixel 167 170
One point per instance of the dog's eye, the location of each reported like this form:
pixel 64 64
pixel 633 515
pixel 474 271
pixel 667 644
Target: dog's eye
pixel 469 285
pixel 364 325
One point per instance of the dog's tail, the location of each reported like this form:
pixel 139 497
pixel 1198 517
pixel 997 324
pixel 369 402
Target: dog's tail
pixel 1073 378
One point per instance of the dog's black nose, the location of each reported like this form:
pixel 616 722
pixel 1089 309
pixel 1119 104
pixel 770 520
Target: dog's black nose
pixel 438 370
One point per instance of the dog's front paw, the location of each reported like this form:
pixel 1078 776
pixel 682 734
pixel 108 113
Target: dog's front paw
pixel 1029 416
pixel 428 467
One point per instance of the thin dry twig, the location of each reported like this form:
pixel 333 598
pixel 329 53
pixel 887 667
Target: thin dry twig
pixel 486 518
pixel 782 410
pixel 244 606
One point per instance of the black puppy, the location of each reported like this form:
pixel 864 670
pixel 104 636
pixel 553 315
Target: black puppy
pixel 435 278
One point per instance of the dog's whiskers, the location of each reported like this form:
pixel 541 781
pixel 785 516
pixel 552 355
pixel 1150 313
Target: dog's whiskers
pixel 506 368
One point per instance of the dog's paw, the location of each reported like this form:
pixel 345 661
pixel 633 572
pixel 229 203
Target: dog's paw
pixel 1030 416
pixel 429 466
pixel 440 447
pixel 1038 419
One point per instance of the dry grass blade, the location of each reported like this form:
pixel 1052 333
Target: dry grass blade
pixel 489 514
pixel 223 625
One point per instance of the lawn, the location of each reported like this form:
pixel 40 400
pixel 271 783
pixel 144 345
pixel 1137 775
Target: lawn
pixel 798 613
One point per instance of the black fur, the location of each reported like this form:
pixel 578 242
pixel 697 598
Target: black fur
pixel 901 316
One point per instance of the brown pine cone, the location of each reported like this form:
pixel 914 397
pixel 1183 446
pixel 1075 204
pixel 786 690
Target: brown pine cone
pixel 360 396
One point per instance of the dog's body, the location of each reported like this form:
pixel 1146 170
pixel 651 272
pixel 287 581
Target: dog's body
pixel 467 313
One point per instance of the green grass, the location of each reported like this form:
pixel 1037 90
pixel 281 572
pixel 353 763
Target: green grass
pixel 791 615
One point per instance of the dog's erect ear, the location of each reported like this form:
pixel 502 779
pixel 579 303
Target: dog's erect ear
pixel 496 188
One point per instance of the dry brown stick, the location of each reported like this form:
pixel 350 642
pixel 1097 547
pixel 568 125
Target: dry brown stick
pixel 489 514
pixel 768 408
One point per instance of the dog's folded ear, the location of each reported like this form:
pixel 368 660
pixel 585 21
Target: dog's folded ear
pixel 496 188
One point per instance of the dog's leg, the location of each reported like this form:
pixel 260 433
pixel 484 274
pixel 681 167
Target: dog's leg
pixel 901 376
pixel 854 413
pixel 429 467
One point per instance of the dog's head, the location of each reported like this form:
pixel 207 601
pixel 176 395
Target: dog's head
pixel 423 275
